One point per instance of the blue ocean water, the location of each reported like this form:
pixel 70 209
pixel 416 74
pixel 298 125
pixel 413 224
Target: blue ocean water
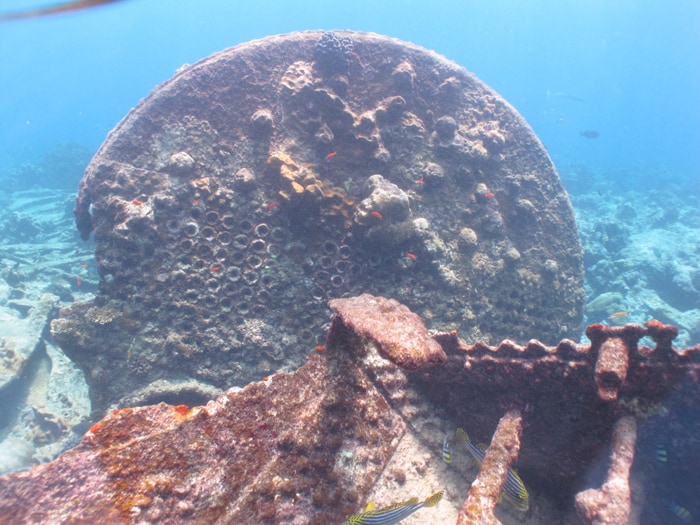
pixel 626 69
pixel 611 89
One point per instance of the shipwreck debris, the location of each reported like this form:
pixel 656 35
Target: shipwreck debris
pixel 315 443
pixel 281 173
pixel 486 490
pixel 610 505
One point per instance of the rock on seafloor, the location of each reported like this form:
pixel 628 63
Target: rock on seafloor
pixel 44 400
pixel 240 196
pixel 20 339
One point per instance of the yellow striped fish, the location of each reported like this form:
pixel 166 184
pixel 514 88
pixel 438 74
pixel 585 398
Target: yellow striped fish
pixel 514 490
pixel 680 511
pixel 393 513
pixel 446 453
pixel 661 455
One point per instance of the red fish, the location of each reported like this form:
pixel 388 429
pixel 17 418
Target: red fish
pixel 411 256
pixel 84 265
pixel 489 195
pixel 195 202
pixel 320 348
pixel 215 268
pixel 420 181
pixel 331 155
pixel 377 214
pixel 272 205
pixel 137 202
pixel 78 281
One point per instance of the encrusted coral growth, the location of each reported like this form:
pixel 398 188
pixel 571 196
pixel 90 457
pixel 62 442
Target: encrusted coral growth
pixel 486 490
pixel 333 52
pixel 269 453
pixel 214 202
pixel 579 390
pixel 310 446
pixel 399 334
pixel 610 505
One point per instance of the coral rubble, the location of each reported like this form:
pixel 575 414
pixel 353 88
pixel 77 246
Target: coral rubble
pixel 45 400
pixel 255 185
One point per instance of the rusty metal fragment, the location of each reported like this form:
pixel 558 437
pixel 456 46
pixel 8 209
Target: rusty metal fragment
pixel 611 368
pixel 399 334
pixel 611 504
pixel 571 394
pixel 270 453
pixel 310 447
pixel 486 489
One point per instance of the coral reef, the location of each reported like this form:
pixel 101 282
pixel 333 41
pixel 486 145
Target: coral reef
pixel 42 267
pixel 268 178
pixel 639 247
pixel 58 168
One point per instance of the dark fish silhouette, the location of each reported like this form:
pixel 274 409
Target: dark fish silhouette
pixel 65 7
pixel 590 134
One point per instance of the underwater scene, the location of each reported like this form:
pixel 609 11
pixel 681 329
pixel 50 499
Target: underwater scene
pixel 350 263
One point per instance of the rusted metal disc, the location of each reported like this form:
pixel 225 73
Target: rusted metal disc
pixel 241 195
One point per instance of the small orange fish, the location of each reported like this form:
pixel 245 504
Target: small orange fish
pixel 137 202
pixel 78 281
pixel 377 214
pixel 411 256
pixel 420 181
pixel 618 315
pixel 272 205
pixel 84 265
pixel 320 348
pixel 195 202
pixel 215 268
pixel 331 155
pixel 489 195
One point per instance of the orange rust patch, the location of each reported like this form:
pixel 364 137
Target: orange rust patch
pixel 183 410
pixel 95 428
pixel 121 411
